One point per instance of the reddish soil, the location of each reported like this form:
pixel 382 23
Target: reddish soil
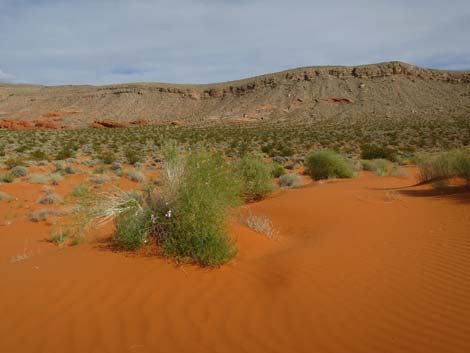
pixel 372 264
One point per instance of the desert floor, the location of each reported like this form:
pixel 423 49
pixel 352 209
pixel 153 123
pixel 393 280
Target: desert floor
pixel 371 264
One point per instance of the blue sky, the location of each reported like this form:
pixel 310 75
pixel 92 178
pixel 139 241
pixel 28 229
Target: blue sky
pixel 201 41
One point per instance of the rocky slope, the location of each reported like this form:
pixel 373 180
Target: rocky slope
pixel 379 91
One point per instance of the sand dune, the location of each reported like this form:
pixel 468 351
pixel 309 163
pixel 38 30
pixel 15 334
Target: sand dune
pixel 371 264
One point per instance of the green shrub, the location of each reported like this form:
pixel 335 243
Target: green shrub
pixel 461 164
pixel 290 180
pixel 55 178
pixel 19 171
pixel 256 176
pixel 380 167
pixel 14 162
pixel 376 152
pixel 133 156
pixel 194 222
pixel 434 167
pixel 79 190
pixel 277 170
pixel 65 153
pixel 326 164
pixel 38 155
pixel 107 157
pixel 132 228
pixel 7 178
pixel 59 237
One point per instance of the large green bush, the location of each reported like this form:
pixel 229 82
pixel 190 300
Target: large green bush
pixel 256 176
pixel 326 164
pixel 192 222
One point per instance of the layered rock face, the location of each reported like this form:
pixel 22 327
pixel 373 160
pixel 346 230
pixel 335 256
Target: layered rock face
pixel 385 90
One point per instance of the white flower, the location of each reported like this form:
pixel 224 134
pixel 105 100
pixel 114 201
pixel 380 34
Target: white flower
pixel 168 214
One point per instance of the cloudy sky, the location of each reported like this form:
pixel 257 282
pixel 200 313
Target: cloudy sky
pixel 200 41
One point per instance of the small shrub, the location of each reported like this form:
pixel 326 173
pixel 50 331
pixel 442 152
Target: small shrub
pixel 461 164
pixel 38 178
pixel 59 237
pixel 290 180
pixel 260 224
pixel 376 152
pixel 65 153
pixel 7 178
pixel 277 170
pixel 19 171
pixel 98 179
pixel 133 156
pixel 50 199
pixel 381 167
pixel 14 162
pixel 116 166
pixel 327 164
pixel 134 175
pixel 38 155
pixel 256 176
pixel 107 157
pixel 55 178
pixel 41 215
pixel 79 190
pixel 132 228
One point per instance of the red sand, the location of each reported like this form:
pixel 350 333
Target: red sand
pixel 356 268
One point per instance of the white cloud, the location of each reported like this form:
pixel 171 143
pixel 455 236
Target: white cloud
pixel 197 41
pixel 4 77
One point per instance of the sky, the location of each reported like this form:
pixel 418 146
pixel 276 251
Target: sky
pixel 54 42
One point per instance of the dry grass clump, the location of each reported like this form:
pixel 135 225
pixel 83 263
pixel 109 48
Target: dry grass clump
pixel 50 198
pixel 19 171
pixel 260 224
pixel 98 179
pixel 291 180
pixel 134 175
pixel 443 166
pixel 41 215
pixel 38 178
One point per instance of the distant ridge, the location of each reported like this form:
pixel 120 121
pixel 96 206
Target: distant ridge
pixel 391 89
